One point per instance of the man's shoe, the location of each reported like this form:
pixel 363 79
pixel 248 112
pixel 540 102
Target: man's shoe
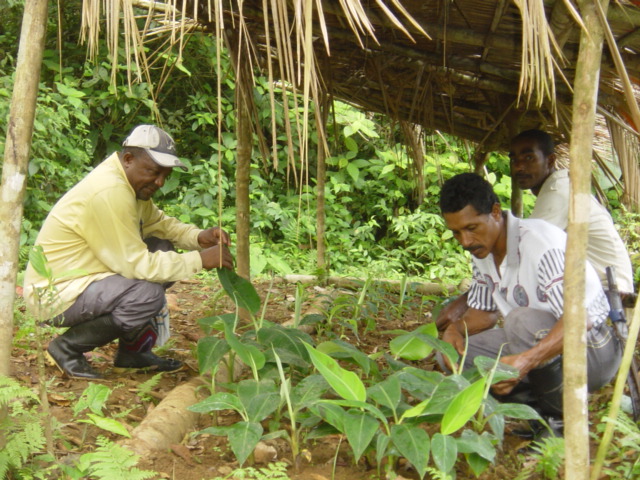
pixel 126 360
pixel 73 364
pixel 67 351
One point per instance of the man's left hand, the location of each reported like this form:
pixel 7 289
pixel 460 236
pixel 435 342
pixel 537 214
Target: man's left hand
pixel 213 236
pixel 522 364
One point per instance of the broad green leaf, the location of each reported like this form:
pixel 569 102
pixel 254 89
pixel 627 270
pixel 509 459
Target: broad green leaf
pixel 259 398
pixel 217 322
pixel 249 354
pixel 410 346
pixel 69 91
pixel 108 424
pixel 517 410
pixel 361 405
pixel 353 171
pixel 240 290
pixel 470 442
pixel 382 442
pixel 243 438
pixel 343 350
pixel 38 261
pixel 416 410
pixel 330 413
pixel 360 429
pixel 93 397
pixel 444 394
pixel 502 370
pixel 288 339
pixel 218 401
pixel 413 444
pixel 346 384
pixel 463 407
pixel 308 391
pixel 386 393
pixel 444 451
pixel 443 347
pixel 351 144
pixel 210 351
pixel 419 383
pixel 477 463
pixel 496 422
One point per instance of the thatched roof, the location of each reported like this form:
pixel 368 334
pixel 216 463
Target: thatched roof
pixel 454 65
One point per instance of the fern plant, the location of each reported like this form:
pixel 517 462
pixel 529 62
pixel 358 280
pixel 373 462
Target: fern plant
pixel 22 429
pixel 109 461
pixel 548 456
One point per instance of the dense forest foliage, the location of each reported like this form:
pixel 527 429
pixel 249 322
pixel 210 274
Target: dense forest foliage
pixel 374 222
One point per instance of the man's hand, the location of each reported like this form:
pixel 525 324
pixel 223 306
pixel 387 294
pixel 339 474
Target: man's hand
pixel 216 257
pixel 451 312
pixel 213 236
pixel 522 364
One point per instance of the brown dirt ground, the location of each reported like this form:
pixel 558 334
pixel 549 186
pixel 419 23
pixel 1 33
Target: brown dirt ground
pixel 206 457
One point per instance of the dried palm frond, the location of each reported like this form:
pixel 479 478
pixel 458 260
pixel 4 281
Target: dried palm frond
pixel 537 73
pixel 627 147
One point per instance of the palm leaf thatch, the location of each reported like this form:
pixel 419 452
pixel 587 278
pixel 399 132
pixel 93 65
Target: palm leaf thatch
pixel 477 69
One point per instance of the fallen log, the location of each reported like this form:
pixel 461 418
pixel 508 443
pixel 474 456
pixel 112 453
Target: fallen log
pixel 170 421
pixel 424 288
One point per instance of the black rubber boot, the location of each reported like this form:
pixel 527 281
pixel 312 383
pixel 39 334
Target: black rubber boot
pixel 67 351
pixel 134 352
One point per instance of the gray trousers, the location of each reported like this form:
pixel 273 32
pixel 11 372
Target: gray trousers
pixel 525 327
pixel 131 303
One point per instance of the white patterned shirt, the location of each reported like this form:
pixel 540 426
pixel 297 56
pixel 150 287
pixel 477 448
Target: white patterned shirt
pixel 531 274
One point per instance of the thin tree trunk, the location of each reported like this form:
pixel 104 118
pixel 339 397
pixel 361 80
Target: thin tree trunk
pixel 580 153
pixel 243 169
pixel 321 177
pixel 16 159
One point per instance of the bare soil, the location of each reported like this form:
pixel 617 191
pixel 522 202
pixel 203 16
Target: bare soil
pixel 205 457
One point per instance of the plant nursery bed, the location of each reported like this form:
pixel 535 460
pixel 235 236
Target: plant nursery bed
pixel 367 322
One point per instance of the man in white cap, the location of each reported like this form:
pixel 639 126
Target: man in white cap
pixel 117 246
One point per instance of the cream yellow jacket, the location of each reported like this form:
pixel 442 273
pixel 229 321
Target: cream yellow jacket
pixel 96 230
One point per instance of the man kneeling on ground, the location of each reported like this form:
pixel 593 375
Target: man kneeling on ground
pixel 518 274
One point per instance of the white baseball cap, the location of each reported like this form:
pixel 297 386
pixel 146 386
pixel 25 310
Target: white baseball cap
pixel 157 143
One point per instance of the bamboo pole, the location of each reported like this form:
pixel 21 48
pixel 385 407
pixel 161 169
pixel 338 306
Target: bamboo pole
pixel 16 159
pixel 580 153
pixel 321 178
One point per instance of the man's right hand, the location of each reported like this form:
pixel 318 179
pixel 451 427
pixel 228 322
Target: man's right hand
pixel 216 257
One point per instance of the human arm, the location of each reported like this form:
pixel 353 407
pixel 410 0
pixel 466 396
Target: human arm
pixel 452 312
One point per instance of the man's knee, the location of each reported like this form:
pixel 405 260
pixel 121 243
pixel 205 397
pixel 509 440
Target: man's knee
pixel 525 327
pixel 139 305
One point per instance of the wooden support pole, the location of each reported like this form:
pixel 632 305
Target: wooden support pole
pixel 322 111
pixel 580 152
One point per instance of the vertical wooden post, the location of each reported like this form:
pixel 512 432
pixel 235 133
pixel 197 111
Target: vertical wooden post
pixel 580 153
pixel 243 169
pixel 16 159
pixel 322 113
